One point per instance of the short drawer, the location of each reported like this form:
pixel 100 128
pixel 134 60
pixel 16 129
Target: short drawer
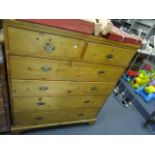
pixel 59 88
pixel 99 53
pixel 37 118
pixel 22 104
pixel 43 69
pixel 31 43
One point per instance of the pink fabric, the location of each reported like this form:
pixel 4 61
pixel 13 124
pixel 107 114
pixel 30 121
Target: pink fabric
pixel 76 25
pixel 121 36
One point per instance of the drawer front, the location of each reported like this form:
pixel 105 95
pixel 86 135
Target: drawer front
pixel 23 104
pixel 25 42
pixel 105 54
pixel 43 69
pixel 37 118
pixel 59 88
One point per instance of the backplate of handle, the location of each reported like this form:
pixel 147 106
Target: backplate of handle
pixel 80 114
pixel 49 48
pixel 109 56
pixel 87 101
pixel 39 118
pixel 43 88
pixel 93 88
pixel 46 68
pixel 101 72
pixel 41 103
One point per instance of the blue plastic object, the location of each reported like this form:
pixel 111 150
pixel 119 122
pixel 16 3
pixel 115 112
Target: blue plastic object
pixel 127 78
pixel 147 97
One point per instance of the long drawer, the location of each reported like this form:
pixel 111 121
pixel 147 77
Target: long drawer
pixel 44 69
pixel 59 88
pixel 22 104
pixel 38 118
pixel 105 54
pixel 31 43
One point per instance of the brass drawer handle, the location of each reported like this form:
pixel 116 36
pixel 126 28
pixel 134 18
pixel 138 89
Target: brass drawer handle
pixel 43 88
pixel 49 48
pixel 101 72
pixel 87 101
pixel 81 114
pixel 109 56
pixel 93 88
pixel 41 103
pixel 45 68
pixel 39 118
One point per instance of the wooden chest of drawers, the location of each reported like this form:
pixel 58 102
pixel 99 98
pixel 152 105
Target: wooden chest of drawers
pixel 57 76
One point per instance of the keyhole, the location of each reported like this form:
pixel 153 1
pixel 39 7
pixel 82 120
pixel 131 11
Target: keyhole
pixel 69 91
pixel 39 99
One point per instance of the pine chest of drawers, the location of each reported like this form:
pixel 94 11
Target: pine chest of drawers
pixel 59 77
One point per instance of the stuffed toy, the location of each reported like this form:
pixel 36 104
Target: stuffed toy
pixel 102 26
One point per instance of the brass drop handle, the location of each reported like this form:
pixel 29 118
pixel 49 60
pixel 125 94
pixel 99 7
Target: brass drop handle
pixel 93 88
pixel 46 68
pixel 109 56
pixel 101 72
pixel 43 88
pixel 41 103
pixel 49 48
pixel 39 118
pixel 81 114
pixel 87 101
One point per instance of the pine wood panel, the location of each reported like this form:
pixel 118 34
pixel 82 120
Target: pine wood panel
pixel 31 43
pixel 43 69
pixel 105 54
pixel 32 104
pixel 24 119
pixel 59 88
pixel 16 130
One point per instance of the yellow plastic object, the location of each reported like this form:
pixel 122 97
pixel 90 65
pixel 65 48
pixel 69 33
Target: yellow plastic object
pixel 141 80
pixel 150 89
